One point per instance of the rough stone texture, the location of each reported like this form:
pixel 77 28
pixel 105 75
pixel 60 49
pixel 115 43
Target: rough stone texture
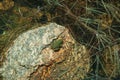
pixel 71 62
pixel 24 56
pixel 31 57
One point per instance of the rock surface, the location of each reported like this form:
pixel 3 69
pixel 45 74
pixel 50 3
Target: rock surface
pixel 24 56
pixel 71 62
pixel 32 58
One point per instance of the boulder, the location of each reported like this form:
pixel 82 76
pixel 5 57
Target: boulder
pixel 31 52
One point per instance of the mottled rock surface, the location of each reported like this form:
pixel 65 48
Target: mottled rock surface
pixel 24 56
pixel 71 62
pixel 31 56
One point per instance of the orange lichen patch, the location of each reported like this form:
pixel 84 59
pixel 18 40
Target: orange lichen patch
pixel 61 57
pixel 46 72
pixel 41 74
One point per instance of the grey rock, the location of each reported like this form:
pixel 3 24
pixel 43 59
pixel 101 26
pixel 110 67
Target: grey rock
pixel 24 56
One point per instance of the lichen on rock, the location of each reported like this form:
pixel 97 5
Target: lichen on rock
pixel 32 56
pixel 24 56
